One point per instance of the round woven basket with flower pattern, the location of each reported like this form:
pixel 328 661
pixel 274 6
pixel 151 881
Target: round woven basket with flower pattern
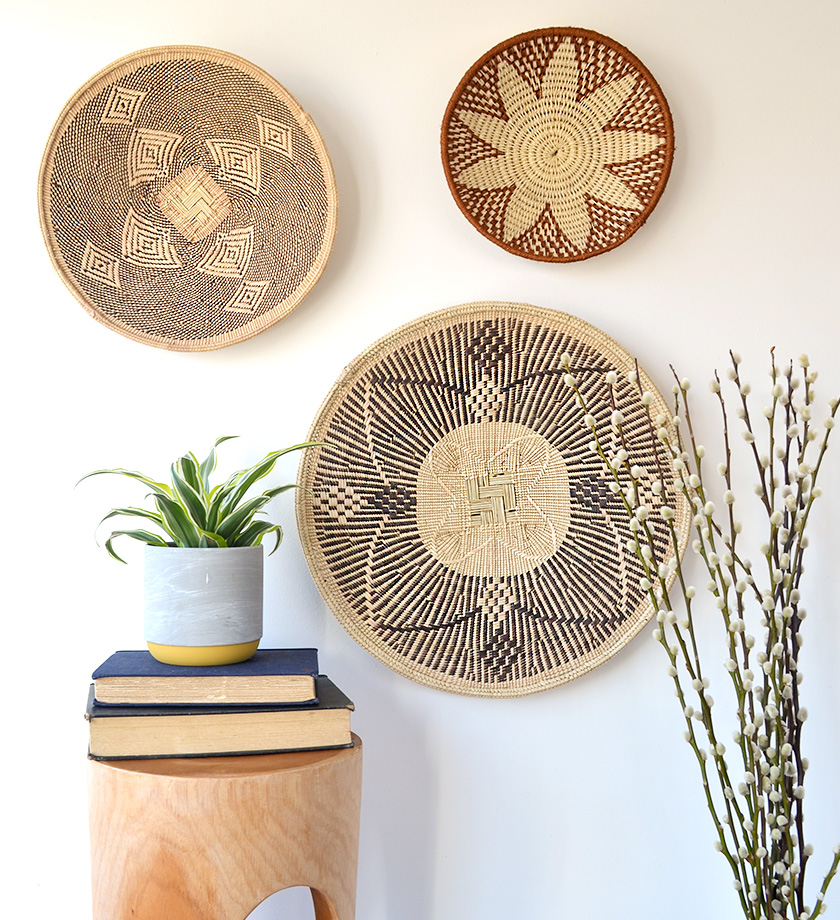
pixel 557 144
pixel 186 199
pixel 457 522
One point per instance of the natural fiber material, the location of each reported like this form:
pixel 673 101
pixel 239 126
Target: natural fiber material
pixel 557 144
pixel 186 199
pixel 458 524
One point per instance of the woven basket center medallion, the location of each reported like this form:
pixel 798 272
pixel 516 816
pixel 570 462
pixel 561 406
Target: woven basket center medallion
pixel 493 499
pixel 195 203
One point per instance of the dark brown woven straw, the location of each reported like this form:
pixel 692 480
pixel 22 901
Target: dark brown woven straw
pixel 186 199
pixel 458 524
pixel 557 144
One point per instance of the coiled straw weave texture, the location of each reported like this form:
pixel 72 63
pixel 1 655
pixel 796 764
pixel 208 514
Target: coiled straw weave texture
pixel 458 524
pixel 186 199
pixel 557 144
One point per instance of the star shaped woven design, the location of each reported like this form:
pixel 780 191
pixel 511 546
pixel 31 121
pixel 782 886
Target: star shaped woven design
pixel 557 145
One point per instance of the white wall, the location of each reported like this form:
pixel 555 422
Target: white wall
pixel 581 801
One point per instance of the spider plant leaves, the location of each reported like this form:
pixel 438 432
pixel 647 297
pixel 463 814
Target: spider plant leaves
pixel 208 465
pixel 191 513
pixel 254 533
pixel 231 525
pixel 177 521
pixel 187 494
pixel 279 490
pixel 157 487
pixel 209 540
pixel 242 480
pixel 144 536
pixel 187 469
pixel 130 511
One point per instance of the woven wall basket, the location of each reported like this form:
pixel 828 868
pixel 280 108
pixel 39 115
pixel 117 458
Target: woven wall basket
pixel 186 199
pixel 557 144
pixel 458 524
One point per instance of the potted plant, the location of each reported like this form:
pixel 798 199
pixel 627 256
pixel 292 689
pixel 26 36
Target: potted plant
pixel 203 563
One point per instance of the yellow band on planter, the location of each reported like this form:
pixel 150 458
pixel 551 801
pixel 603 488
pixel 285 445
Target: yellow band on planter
pixel 203 655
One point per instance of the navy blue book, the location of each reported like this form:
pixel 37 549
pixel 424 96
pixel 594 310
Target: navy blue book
pixel 131 732
pixel 273 675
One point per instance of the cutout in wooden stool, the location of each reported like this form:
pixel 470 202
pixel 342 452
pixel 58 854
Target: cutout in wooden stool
pixel 211 838
pixel 288 904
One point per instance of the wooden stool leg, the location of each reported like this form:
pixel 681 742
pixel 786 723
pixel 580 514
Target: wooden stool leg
pixel 213 845
pixel 324 909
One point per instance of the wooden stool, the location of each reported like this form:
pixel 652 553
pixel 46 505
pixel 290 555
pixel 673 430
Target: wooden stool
pixel 209 838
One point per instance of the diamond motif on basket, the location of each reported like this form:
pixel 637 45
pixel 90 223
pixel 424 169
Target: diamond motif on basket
pixel 275 135
pixel 249 296
pixel 195 203
pixel 151 154
pixel 122 106
pixel 238 162
pixel 145 244
pixel 341 502
pixel 231 255
pixel 100 266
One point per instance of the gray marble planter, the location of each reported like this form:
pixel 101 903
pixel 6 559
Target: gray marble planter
pixel 203 597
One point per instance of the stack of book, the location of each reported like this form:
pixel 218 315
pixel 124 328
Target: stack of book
pixel 276 701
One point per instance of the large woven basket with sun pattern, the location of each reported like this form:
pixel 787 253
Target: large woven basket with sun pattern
pixel 186 199
pixel 557 144
pixel 458 524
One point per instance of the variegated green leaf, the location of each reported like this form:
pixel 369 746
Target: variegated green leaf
pixel 157 487
pixel 132 512
pixel 188 469
pixel 177 521
pixel 189 498
pixel 237 519
pixel 244 479
pixel 214 539
pixel 279 490
pixel 142 535
pixel 208 465
pixel 254 533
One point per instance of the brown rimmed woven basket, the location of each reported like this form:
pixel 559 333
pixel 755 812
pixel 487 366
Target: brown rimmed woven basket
pixel 458 524
pixel 557 144
pixel 186 199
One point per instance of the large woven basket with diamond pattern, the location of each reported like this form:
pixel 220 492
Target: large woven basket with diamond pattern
pixel 458 524
pixel 557 144
pixel 186 199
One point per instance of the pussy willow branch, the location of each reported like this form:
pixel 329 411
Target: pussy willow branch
pixel 764 847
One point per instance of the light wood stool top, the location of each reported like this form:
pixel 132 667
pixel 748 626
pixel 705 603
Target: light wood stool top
pixel 209 838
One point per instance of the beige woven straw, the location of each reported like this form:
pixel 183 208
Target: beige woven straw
pixel 459 525
pixel 186 199
pixel 557 144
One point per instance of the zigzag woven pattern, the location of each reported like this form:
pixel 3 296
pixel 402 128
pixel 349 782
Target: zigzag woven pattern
pixel 186 199
pixel 461 529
